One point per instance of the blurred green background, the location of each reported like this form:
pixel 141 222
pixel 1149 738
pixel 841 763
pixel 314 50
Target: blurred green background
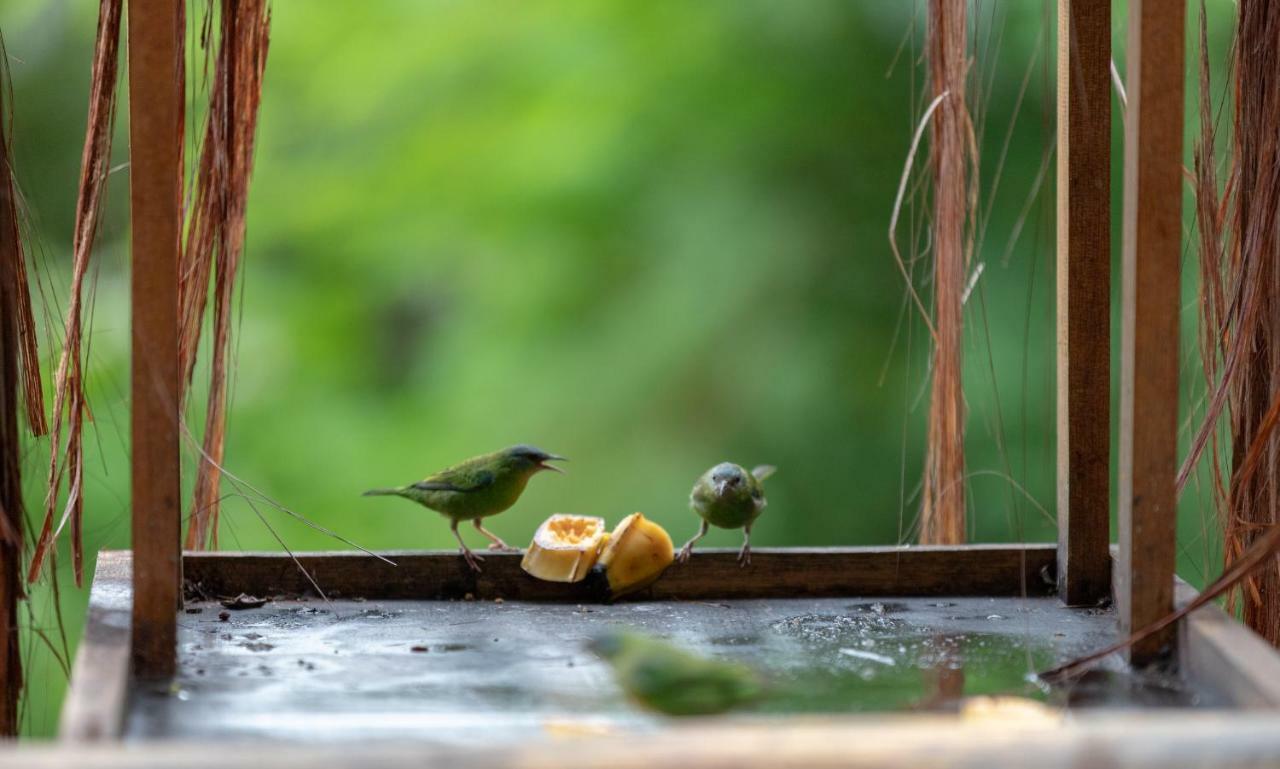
pixel 648 236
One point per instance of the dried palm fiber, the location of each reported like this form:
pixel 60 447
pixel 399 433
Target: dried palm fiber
pixel 952 162
pixel 1254 497
pixel 18 370
pixel 69 404
pixel 1240 304
pixel 19 301
pixel 215 232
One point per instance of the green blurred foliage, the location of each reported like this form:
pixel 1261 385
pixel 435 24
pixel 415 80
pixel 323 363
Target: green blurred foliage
pixel 648 236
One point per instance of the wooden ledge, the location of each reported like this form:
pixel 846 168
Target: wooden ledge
pixel 1160 740
pixel 966 570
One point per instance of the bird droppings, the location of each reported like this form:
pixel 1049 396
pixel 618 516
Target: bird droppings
pixel 223 616
pixel 419 648
pixel 866 655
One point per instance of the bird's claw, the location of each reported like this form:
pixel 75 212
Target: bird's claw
pixel 472 559
pixel 500 545
pixel 685 552
pixel 744 557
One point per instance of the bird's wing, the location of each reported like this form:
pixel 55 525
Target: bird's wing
pixel 457 479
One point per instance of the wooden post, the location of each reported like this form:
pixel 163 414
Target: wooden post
pixel 1084 301
pixel 155 143
pixel 1149 342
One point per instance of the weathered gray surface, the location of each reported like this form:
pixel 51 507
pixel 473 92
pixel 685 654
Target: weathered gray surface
pixel 516 671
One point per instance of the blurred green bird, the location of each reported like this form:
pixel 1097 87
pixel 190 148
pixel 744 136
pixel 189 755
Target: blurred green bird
pixel 670 680
pixel 476 489
pixel 728 497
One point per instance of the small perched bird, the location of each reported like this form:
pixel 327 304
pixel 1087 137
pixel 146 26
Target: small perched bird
pixel 476 489
pixel 728 497
pixel 670 680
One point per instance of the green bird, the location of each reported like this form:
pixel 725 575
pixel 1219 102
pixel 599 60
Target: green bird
pixel 670 680
pixel 476 489
pixel 728 497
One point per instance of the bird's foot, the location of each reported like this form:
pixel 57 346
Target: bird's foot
pixel 744 556
pixel 685 552
pixel 500 545
pixel 472 559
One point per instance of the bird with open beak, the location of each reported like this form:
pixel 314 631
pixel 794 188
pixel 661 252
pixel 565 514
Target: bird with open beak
pixel 476 489
pixel 728 497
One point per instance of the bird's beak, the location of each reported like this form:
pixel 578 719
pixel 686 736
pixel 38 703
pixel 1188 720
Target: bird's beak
pixel 720 487
pixel 542 465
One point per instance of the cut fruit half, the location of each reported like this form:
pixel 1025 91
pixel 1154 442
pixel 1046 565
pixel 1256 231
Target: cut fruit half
pixel 565 547
pixel 637 553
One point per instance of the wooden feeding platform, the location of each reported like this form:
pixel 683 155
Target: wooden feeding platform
pixel 489 669
pixel 430 652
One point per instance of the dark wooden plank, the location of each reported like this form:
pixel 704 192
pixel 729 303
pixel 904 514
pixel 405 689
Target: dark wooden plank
pixel 1017 735
pixel 1084 301
pixel 155 185
pixel 1217 653
pixel 94 707
pixel 996 570
pixel 1150 304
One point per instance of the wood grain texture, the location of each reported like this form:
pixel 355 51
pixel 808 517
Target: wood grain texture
pixel 155 186
pixel 1150 304
pixel 1084 301
pixel 94 707
pixel 996 570
pixel 1226 657
pixel 1157 740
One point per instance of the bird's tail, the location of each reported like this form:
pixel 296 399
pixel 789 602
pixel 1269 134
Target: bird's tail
pixel 383 493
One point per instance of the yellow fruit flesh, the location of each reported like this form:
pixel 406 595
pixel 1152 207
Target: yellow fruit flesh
pixel 565 547
pixel 637 553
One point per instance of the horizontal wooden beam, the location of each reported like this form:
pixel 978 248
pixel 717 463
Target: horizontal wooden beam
pixel 1017 735
pixel 996 570
pixel 96 698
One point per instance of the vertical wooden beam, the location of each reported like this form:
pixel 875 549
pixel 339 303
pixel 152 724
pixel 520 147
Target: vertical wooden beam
pixel 155 126
pixel 1149 342
pixel 1084 301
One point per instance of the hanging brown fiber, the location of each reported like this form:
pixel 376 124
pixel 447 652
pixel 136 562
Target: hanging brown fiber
pixel 952 161
pixel 18 370
pixel 1239 243
pixel 19 300
pixel 215 234
pixel 69 404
